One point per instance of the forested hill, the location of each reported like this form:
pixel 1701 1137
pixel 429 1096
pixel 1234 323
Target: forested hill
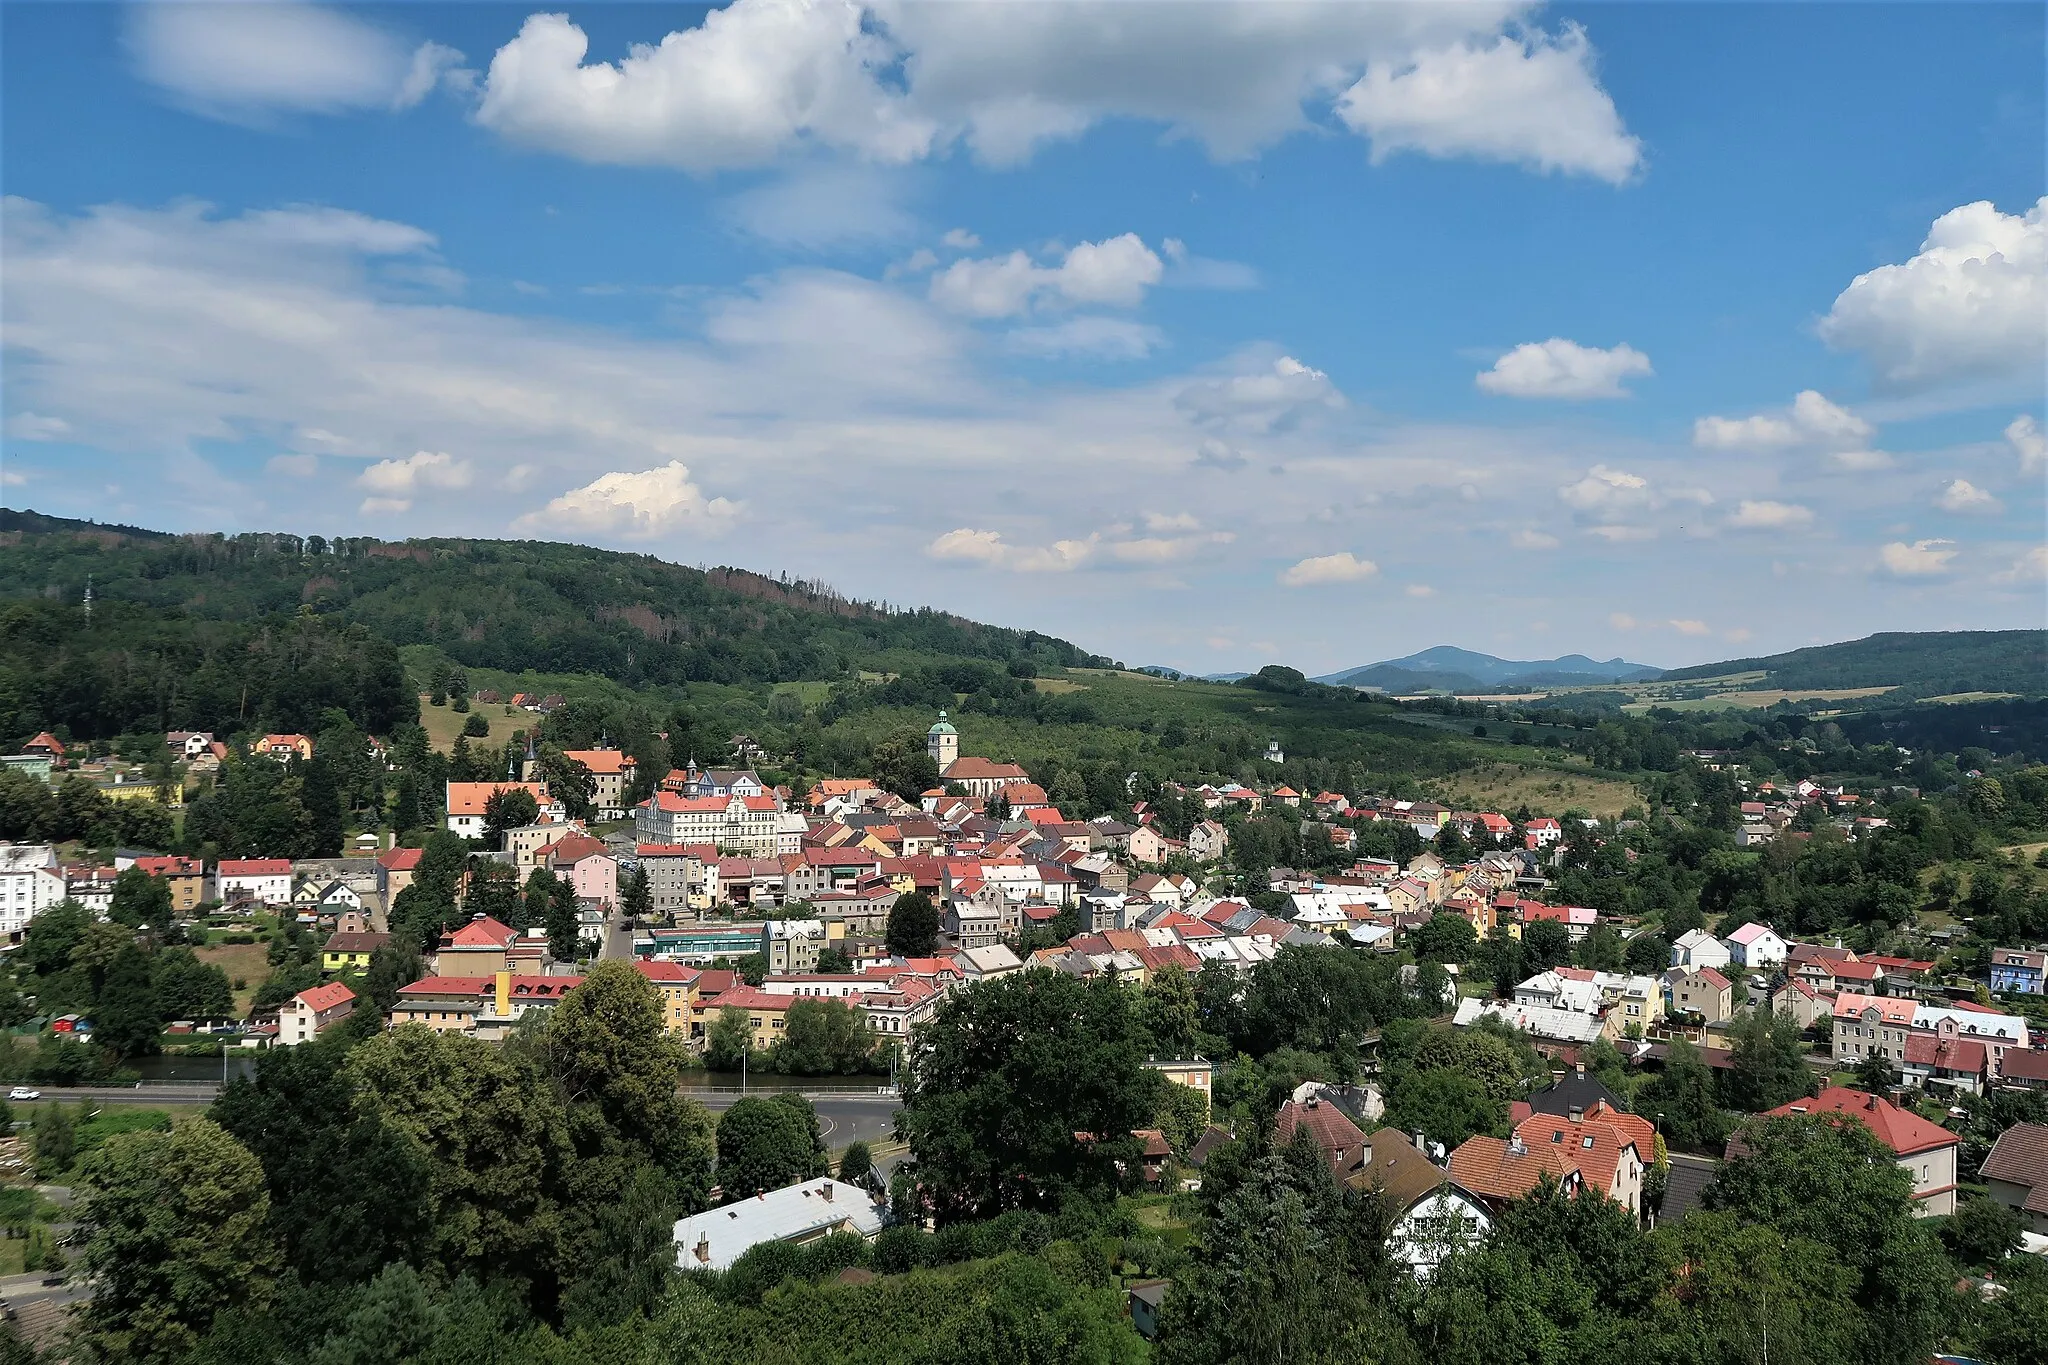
pixel 1923 663
pixel 515 605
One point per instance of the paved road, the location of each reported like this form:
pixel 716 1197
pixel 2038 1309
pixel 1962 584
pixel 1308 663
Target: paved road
pixel 618 941
pixel 842 1118
pixel 41 1312
pixel 157 1092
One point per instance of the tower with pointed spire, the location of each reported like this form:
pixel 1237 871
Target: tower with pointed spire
pixel 942 742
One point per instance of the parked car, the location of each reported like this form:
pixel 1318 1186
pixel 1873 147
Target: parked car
pixel 22 1092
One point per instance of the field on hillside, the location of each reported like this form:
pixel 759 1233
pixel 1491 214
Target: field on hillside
pixel 1758 699
pixel 247 963
pixel 1506 786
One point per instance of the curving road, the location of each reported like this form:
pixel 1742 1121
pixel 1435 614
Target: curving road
pixel 843 1116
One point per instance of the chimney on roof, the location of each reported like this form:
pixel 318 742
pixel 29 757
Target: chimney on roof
pixel 1515 1146
pixel 1581 1069
pixel 1577 1113
pixel 703 1250
pixel 826 1190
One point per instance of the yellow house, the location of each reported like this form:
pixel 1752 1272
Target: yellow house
pixel 678 987
pixel 767 1014
pixel 350 952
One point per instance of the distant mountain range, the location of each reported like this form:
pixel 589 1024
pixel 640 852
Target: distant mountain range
pixel 1450 669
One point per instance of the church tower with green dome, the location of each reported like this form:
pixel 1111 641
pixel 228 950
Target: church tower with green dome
pixel 942 742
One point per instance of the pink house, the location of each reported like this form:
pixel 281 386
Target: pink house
pixel 583 862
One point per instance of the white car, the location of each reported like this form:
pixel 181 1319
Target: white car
pixel 22 1092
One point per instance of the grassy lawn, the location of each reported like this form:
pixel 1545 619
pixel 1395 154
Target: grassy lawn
pixel 248 963
pixel 444 723
pixel 1506 786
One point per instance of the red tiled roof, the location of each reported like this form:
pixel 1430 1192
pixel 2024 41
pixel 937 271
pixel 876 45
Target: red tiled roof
pixel 754 998
pixel 1340 1140
pixel 1901 1130
pixel 481 933
pixel 400 859
pixel 574 848
pixel 171 865
pixel 1490 1167
pixel 2024 1064
pixel 440 986
pixel 254 867
pixel 319 999
pixel 1947 1054
pixel 665 971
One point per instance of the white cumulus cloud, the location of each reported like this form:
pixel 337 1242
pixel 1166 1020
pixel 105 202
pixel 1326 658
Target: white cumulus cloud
pixel 2028 442
pixel 1811 420
pixel 1558 368
pixel 1260 398
pixel 1920 559
pixel 1970 308
pixel 989 549
pixel 1765 515
pixel 2030 567
pixel 244 62
pixel 752 81
pixel 422 469
pixel 897 80
pixel 1608 493
pixel 1530 99
pixel 1342 567
pixel 1960 495
pixel 1115 272
pixel 638 506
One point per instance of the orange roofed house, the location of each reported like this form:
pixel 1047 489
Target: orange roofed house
pixel 312 1012
pixel 186 877
pixel 466 802
pixel 283 748
pixel 613 772
pixel 1601 1151
pixel 1925 1151
pixel 477 948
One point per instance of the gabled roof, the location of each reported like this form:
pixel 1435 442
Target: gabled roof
pixel 1947 1054
pixel 470 798
pixel 1496 1169
pixel 601 760
pixel 253 867
pixel 483 932
pixel 1339 1139
pixel 2024 1064
pixel 2020 1157
pixel 400 859
pixel 322 998
pixel 1905 1132
pixel 355 943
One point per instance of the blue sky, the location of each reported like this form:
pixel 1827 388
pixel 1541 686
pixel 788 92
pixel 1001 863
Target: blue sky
pixel 1209 335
